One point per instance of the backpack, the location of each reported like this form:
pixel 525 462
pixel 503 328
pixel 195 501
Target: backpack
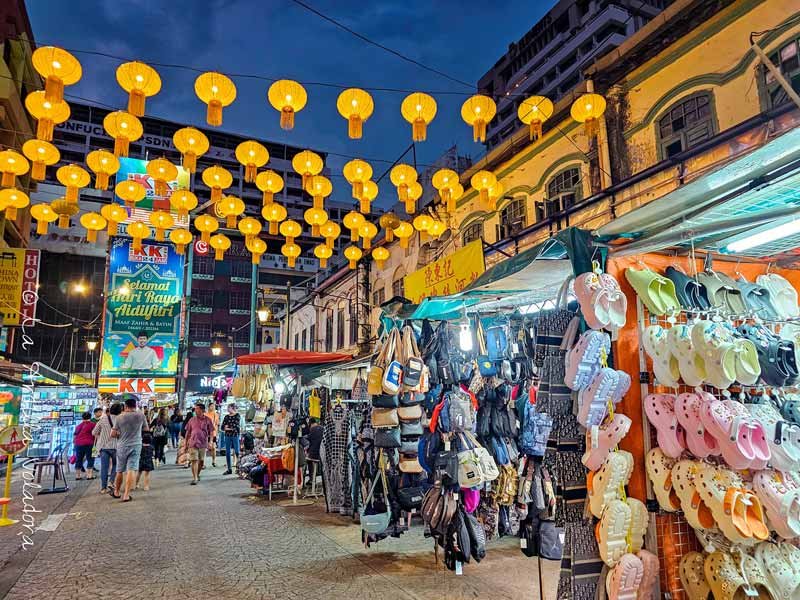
pixel 534 431
pixel 497 343
pixel 159 430
pixel 459 411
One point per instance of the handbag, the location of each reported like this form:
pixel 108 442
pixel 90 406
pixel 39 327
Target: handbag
pixel 376 523
pixel 409 464
pixel 411 398
pixel 384 417
pixel 410 413
pixel 412 363
pixel 409 445
pixel 387 438
pixel 411 428
pixel 446 464
pixel 410 498
pixel 375 375
pixel 385 401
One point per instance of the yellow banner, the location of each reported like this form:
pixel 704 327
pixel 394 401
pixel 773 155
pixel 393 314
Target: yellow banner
pixel 448 275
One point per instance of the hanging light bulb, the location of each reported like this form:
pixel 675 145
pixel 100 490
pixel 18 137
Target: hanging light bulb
pixel 465 335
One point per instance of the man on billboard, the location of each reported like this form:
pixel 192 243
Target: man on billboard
pixel 142 357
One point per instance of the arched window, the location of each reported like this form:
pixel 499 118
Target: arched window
pixel 685 125
pixel 398 288
pixel 378 293
pixel 328 316
pixel 472 232
pixel 563 192
pixel 513 218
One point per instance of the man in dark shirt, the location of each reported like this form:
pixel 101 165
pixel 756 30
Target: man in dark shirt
pixel 312 440
pixel 231 427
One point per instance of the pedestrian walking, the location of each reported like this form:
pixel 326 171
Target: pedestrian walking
pixel 145 461
pixel 175 422
pixel 214 416
pixel 84 443
pixel 231 429
pixel 160 429
pixel 183 450
pixel 128 430
pixel 106 446
pixel 97 413
pixel 199 430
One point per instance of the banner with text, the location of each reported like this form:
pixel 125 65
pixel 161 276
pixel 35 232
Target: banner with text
pixel 19 276
pixel 136 169
pixel 448 275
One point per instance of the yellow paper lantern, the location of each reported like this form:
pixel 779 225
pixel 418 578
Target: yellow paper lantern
pixel 217 91
pixel 418 109
pixel 92 222
pixel 330 231
pixel 389 222
pixel 323 253
pixel 124 128
pixel 183 201
pixel 253 156
pixel 307 164
pixel 291 252
pixel 402 176
pixel 230 207
pixel 104 164
pixel 423 222
pixel 162 221
pixel 380 255
pixel 444 180
pixel 257 247
pixel 162 171
pixel 356 172
pixel 403 232
pixel 414 193
pixel 58 67
pixel 41 154
pixel 180 237
pixel 319 187
pixel 140 81
pixel 219 243
pixel 217 179
pixel 249 227
pixel 206 225
pixel 533 112
pixel 437 228
pixel 138 231
pixel 43 215
pixel 353 254
pixel 11 200
pixel 12 165
pixel 270 183
pixel 366 232
pixel 47 113
pixel 587 109
pixel 290 229
pixel 273 214
pixel 130 191
pixel 356 106
pixel 495 193
pixel 482 181
pixel 455 195
pixel 287 97
pixel 353 221
pixel 368 194
pixel 477 111
pixel 191 143
pixel 73 178
pixel 315 217
pixel 114 214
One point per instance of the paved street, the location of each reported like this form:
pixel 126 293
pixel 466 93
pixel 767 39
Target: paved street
pixel 217 540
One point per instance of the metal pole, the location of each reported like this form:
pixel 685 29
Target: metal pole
pixel 288 326
pixel 253 307
pixel 71 353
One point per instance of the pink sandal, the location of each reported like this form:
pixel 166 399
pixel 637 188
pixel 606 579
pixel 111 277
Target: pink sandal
pixel 623 581
pixel 755 434
pixel 660 410
pixel 698 440
pixel 733 439
pixel 600 441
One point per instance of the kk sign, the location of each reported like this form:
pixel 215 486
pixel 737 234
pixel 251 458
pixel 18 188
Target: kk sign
pixel 19 276
pixel 136 385
pixel 448 275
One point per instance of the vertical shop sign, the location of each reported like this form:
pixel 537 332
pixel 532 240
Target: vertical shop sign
pixel 19 276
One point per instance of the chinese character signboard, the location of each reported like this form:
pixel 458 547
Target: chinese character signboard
pixel 448 275
pixel 19 276
pixel 142 323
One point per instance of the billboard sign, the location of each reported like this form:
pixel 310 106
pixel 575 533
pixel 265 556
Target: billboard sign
pixel 136 169
pixel 19 277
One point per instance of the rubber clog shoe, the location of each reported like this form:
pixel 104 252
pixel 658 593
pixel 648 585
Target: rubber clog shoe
pixel 698 440
pixel 637 528
pixel 600 441
pixel 604 484
pixel 612 531
pixel 659 470
pixel 690 364
pixel 648 589
pixel 712 484
pixel 734 445
pixel 780 501
pixel 660 410
pixel 723 576
pixel 746 364
pixel 782 294
pixel 697 514
pixel 782 574
pixel 693 576
pixel 784 452
pixel 594 400
pixel 583 361
pixel 624 580
pixel 656 292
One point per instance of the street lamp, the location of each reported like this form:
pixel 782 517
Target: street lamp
pixel 263 314
pixel 216 348
pixel 80 287
pixel 91 343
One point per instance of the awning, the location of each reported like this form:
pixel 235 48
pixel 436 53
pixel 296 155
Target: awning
pixel 281 357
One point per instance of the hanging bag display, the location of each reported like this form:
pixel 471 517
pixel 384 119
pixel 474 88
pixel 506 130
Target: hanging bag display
pixel 385 401
pixel 486 366
pixel 410 413
pixel 413 365
pixel 375 376
pixel 376 523
pixel 393 371
pixel 387 438
pixel 384 418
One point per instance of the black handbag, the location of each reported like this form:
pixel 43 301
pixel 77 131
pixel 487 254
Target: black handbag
pixel 477 537
pixel 410 498
pixel 385 401
pixel 446 464
pixel 411 398
pixel 411 429
pixel 387 438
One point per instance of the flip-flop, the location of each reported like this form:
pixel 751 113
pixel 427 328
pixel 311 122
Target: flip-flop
pixel 693 577
pixel 612 531
pixel 624 580
pixel 128 499
pixel 698 440
pixel 659 470
pixel 604 485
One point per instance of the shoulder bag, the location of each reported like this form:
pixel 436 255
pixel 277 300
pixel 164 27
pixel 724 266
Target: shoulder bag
pixel 376 523
pixel 412 363
pixel 384 418
pixel 375 376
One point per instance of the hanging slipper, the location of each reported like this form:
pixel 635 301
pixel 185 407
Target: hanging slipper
pixel 712 484
pixel 723 576
pixel 733 439
pixel 604 485
pixel 697 514
pixel 781 503
pixel 624 580
pixel 690 292
pixel 784 452
pixel 648 589
pixel 690 364
pixel 612 532
pixel 693 577
pixel 659 470
pixel 583 361
pixel 660 410
pixel 782 293
pixel 781 573
pixel 698 440
pixel 600 441
pixel 755 577
pixel 637 528
pixel 752 433
pixel 593 401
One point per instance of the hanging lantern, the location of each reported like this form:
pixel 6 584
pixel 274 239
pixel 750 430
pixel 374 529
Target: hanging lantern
pixel 444 180
pixel 353 254
pixel 478 111
pixel 114 214
pixel 93 222
pixel 41 154
pixel 402 176
pixel 104 164
pixel 58 67
pixel 366 232
pixel 47 113
pixel 290 229
pixel 249 227
pixel 315 217
pixel 287 97
pixel 307 164
pixel 353 221
pixel 389 222
pixel 587 109
pixel 182 201
pixel 12 165
pixel 43 215
pixel 162 221
pixel 533 112
pixel 73 178
pixel 414 193
pixel 219 243
pixel 270 183
pixel 11 200
pixel 422 223
pixel 191 143
pixel 253 156
pixel 216 90
pixel 180 237
pixel 319 187
pixel 403 232
pixel 495 193
pixel 357 172
pixel 140 81
pixel 356 106
pixel 162 171
pixel 124 128
pixel 257 247
pixel 217 179
pixel 65 211
pixel 418 109
pixel 481 182
pixel 230 207
pixel 323 253
pixel 380 255
pixel 273 214
pixel 455 195
pixel 291 251
pixel 138 231
pixel 206 225
pixel 330 231
pixel 130 191
pixel 368 194
pixel 437 228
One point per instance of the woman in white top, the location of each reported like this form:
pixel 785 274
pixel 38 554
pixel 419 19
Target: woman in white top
pixel 106 445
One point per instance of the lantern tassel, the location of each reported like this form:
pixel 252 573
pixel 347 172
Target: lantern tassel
pixel 367 243
pixel 63 221
pixel 355 127
pixel 44 130
pixel 492 204
pixel 418 130
pixel 72 194
pixel 121 146
pixel 160 187
pixel 112 227
pixel 216 194
pixel 404 242
pixel 329 243
pixel 91 236
pixel 273 228
pixel 364 206
pixel 410 206
pixel 484 196
pixel 324 261
pixel 179 248
pixel 268 198
pixel 38 170
pixel 305 178
pixel 41 227
pixel 290 260
pixel 479 131
pixel 289 240
pixel 8 179
pixel 190 161
pixel 592 128
pixel 137 243
pixel 205 236
pixel 389 234
pixel 315 230
pixel 54 89
pixel 402 192
pixel 352 264
pixel 451 205
pixel 214 113
pixel 380 263
pixel 358 189
pixel 256 259
pixel 136 103
pixel 287 118
pixel 101 181
pixel 230 221
pixel 183 213
pixel 11 213
pixel 250 172
pixel 219 254
pixel 354 235
pixel 159 235
pixel 535 130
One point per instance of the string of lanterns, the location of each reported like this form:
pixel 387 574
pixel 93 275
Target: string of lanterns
pixel 59 69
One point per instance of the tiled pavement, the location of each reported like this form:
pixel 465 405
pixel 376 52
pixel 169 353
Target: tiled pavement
pixel 219 541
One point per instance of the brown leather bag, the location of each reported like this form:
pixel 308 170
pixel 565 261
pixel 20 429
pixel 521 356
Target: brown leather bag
pixel 385 417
